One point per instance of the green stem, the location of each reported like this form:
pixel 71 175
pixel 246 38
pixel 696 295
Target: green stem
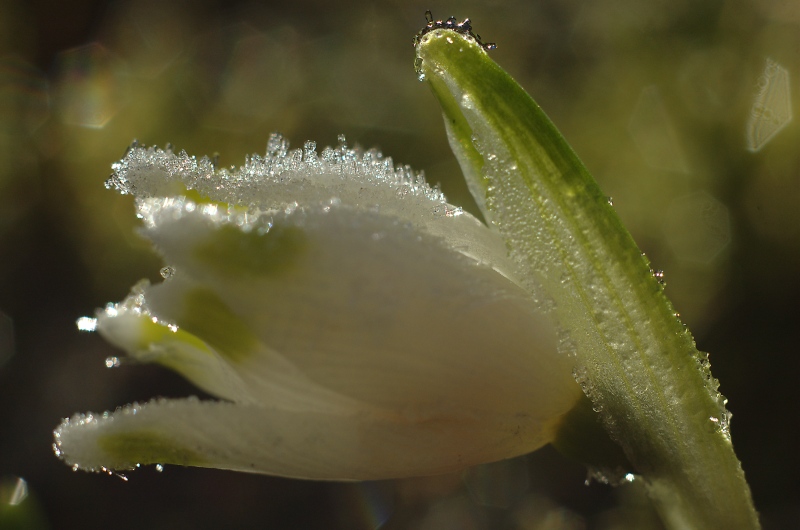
pixel 634 358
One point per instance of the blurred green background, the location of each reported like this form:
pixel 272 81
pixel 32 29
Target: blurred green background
pixel 681 110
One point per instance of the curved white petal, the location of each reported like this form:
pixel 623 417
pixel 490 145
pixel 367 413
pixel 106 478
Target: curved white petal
pixel 354 446
pixel 397 320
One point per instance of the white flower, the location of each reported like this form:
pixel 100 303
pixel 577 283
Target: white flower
pixel 354 324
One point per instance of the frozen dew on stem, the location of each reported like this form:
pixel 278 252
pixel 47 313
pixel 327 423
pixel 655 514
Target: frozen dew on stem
pixel 353 323
pixel 463 28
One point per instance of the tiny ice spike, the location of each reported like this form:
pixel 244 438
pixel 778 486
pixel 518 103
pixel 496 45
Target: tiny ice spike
pixel 353 324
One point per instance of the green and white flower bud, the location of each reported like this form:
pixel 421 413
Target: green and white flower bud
pixel 354 324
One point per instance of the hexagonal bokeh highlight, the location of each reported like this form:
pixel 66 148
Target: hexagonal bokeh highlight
pixel 697 227
pixel 90 86
pixel 772 106
pixel 24 98
pixel 239 77
pixel 653 133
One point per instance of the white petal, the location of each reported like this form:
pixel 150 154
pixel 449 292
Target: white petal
pixel 352 446
pixel 395 321
pixel 286 179
pixel 150 341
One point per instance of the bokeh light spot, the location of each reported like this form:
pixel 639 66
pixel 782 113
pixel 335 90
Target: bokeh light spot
pixel 90 86
pixel 537 512
pixel 772 107
pixel 697 227
pixel 13 490
pixel 450 514
pixel 653 133
pixel 258 81
pixel 24 99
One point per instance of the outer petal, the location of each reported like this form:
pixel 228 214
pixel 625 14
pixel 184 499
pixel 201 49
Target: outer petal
pixel 354 446
pixel 364 305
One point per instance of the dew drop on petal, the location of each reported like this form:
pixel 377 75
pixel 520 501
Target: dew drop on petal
pixel 86 324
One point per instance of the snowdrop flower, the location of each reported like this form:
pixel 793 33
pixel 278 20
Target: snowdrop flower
pixel 353 324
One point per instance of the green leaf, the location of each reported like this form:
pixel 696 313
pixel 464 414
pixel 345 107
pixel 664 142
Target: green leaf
pixel 634 358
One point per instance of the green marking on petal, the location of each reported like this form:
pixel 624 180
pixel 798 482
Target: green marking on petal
pixel 196 197
pixel 232 252
pixel 146 447
pixel 177 350
pixel 155 333
pixel 206 316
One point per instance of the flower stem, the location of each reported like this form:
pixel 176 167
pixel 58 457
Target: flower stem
pixel 634 358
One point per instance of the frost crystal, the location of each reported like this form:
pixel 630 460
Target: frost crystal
pixel 278 180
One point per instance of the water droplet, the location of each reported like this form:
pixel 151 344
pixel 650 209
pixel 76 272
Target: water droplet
pixel 86 324
pixel 159 468
pixel 658 274
pixel 112 362
pixel 418 68
pixel 167 271
pixel 610 200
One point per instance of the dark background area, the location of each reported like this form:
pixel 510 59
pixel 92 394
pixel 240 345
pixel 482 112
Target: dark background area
pixel 657 98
